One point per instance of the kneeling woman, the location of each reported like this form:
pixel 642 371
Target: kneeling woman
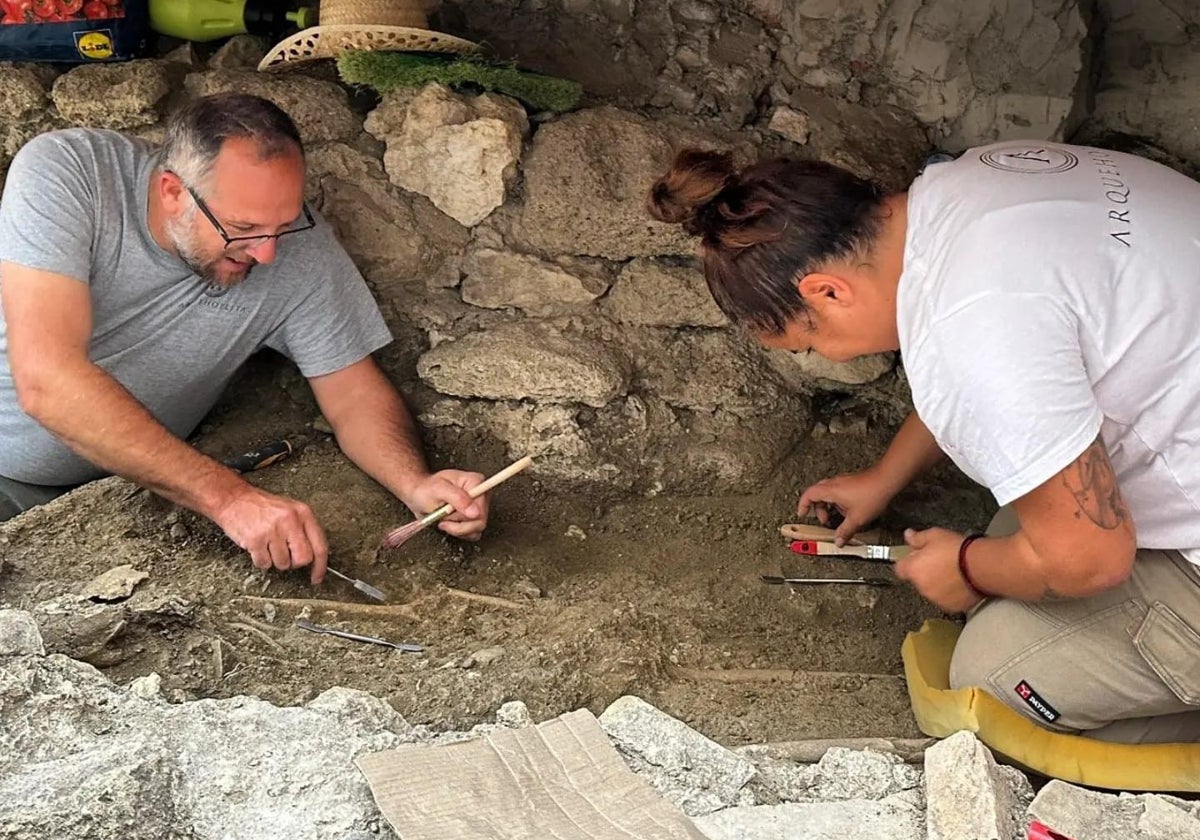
pixel 1044 300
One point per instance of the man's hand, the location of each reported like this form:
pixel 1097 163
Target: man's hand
pixel 278 532
pixel 932 568
pixel 450 486
pixel 858 497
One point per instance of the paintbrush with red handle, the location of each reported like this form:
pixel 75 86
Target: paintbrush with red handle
pixel 399 536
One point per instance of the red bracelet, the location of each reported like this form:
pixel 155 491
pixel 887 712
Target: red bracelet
pixel 962 566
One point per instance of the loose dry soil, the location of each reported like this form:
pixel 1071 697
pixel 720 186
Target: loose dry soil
pixel 602 596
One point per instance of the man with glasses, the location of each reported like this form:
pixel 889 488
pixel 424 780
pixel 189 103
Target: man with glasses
pixel 135 281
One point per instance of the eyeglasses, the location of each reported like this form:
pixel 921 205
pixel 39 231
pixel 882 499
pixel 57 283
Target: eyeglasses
pixel 250 241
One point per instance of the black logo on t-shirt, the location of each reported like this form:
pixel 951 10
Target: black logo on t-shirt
pixel 1030 160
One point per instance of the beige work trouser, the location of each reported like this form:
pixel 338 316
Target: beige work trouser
pixel 1121 666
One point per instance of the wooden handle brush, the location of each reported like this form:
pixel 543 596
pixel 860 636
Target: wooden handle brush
pixel 399 536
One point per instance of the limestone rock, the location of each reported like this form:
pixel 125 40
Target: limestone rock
pixel 1077 812
pixel 586 179
pixel 114 585
pixel 685 767
pixel 799 370
pixel 653 293
pixel 80 757
pixel 562 448
pixel 972 71
pixel 1150 67
pixel 116 96
pixel 886 820
pixel 724 451
pixel 968 796
pixel 502 279
pixel 638 443
pixel 513 715
pixel 75 626
pixel 19 634
pixel 882 144
pixel 359 711
pixel 844 774
pixel 459 151
pixel 116 790
pixel 705 370
pixel 239 52
pixel 22 93
pixel 1165 820
pixel 320 109
pixel 393 237
pixel 526 361
pixel 790 124
pixel 184 54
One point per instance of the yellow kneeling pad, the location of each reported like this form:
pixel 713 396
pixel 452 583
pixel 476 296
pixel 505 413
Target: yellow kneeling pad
pixel 942 711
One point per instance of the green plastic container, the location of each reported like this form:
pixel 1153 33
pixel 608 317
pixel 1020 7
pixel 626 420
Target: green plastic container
pixel 209 20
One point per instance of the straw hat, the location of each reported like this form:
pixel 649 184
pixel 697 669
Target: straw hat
pixel 378 25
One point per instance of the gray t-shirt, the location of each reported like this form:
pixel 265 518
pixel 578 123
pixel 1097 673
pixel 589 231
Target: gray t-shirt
pixel 75 204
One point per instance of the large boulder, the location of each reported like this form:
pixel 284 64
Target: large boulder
pixel 459 151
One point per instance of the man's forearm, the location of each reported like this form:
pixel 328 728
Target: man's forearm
pixel 102 422
pixel 380 436
pixel 912 451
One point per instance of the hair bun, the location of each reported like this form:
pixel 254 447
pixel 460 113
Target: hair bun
pixel 695 179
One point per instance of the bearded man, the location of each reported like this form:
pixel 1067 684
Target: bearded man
pixel 136 280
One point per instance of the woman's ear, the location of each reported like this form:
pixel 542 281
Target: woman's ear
pixel 821 290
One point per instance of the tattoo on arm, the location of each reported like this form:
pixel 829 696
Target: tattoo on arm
pixel 1094 484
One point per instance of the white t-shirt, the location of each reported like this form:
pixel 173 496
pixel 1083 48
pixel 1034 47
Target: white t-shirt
pixel 1052 293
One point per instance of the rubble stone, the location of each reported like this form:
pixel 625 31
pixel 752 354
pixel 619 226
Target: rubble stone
pixel 1077 812
pixel 238 53
pixel 885 820
pixel 802 371
pixel 114 96
pixel 526 361
pixel 1150 67
pixel 320 109
pixel 395 238
pixel 80 757
pixel 116 584
pixel 968 796
pixel 19 634
pixel 22 93
pixel 652 293
pixel 459 151
pixel 688 769
pixel 586 178
pixel 706 370
pixel 969 72
pixel 503 279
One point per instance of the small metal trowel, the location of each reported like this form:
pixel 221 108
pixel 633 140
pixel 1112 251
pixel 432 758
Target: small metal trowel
pixel 863 581
pixel 407 647
pixel 365 588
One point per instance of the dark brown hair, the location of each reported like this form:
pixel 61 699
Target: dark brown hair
pixel 763 228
